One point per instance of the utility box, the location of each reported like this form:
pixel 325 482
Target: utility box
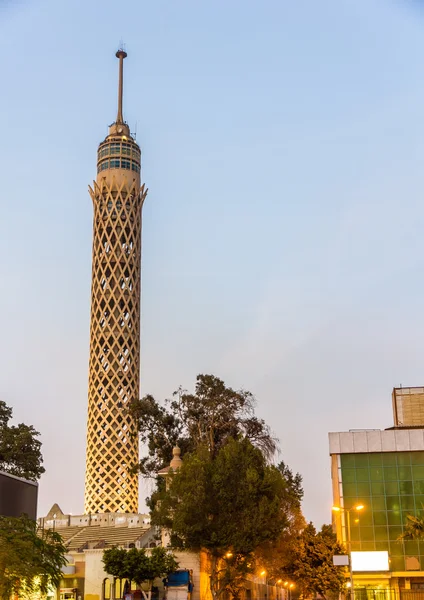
pixel 17 496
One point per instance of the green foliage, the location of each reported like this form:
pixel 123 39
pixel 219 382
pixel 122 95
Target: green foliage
pixel 20 450
pixel 275 555
pixel 311 562
pixel 413 529
pixel 31 559
pixel 139 565
pixel 207 418
pixel 232 501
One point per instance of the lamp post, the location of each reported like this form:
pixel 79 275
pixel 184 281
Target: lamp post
pixel 347 511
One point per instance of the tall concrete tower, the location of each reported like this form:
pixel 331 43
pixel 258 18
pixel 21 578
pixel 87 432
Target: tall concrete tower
pixel 114 369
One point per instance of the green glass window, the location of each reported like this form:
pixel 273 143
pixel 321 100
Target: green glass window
pixel 380 518
pixel 404 459
pixel 394 517
pixel 115 148
pixel 375 460
pixel 377 489
pixel 406 488
pixel 393 502
pixel 125 164
pixel 376 473
pixel 394 533
pixel 367 546
pixel 361 460
pixel 389 459
pixel 367 534
pixel 417 458
pixel 390 474
pixel 381 545
pixel 379 503
pixel 364 491
pixel 405 472
pixel 362 474
pixel 391 488
pixel 115 163
pixel 419 487
pixel 411 548
pixel 365 518
pixel 417 472
pixel 397 563
pixel 347 461
pixel 381 534
pixel 349 475
pixel 407 502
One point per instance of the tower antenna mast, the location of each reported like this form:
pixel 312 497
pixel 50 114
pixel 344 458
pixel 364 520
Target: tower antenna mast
pixel 121 54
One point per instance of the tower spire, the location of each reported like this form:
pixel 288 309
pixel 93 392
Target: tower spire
pixel 121 54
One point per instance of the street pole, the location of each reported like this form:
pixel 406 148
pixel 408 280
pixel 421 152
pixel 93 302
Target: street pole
pixel 349 543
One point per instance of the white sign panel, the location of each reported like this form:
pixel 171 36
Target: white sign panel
pixel 341 560
pixel 370 561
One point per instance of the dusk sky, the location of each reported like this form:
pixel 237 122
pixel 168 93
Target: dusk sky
pixel 283 233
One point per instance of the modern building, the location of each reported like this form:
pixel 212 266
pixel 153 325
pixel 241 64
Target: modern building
pixel 114 367
pixel 383 471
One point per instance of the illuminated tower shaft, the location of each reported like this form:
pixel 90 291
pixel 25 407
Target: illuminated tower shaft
pixel 114 369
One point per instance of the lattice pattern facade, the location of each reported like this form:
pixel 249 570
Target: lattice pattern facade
pixel 114 368
pixel 114 380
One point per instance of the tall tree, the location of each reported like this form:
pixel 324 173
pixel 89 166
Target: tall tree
pixel 207 418
pixel 31 559
pixel 20 450
pixel 311 562
pixel 139 565
pixel 226 503
pixel 275 555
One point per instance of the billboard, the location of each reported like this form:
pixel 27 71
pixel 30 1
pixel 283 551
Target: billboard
pixel 370 561
pixel 17 496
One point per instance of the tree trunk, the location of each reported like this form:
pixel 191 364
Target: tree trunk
pixel 213 579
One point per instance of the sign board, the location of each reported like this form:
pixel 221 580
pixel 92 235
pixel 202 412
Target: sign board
pixel 370 561
pixel 341 560
pixel 17 496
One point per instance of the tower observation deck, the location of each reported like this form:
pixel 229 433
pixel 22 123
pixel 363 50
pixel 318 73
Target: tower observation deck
pixel 114 365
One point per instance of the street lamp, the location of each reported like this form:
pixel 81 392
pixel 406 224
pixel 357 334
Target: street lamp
pixel 347 511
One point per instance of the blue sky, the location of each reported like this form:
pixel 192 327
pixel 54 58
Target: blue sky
pixel 283 250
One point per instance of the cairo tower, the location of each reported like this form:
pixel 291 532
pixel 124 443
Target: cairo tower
pixel 114 367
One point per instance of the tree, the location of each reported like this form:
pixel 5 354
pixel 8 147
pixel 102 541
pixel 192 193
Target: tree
pixel 207 418
pixel 275 555
pixel 20 450
pixel 227 504
pixel 311 562
pixel 31 558
pixel 138 565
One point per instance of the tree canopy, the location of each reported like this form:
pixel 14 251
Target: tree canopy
pixel 139 565
pixel 209 417
pixel 31 558
pixel 227 503
pixel 20 450
pixel 310 562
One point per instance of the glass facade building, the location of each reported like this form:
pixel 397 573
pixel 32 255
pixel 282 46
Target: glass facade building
pixel 383 470
pixel 390 485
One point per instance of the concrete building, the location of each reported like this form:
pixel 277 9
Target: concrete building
pixel 114 368
pixel 383 470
